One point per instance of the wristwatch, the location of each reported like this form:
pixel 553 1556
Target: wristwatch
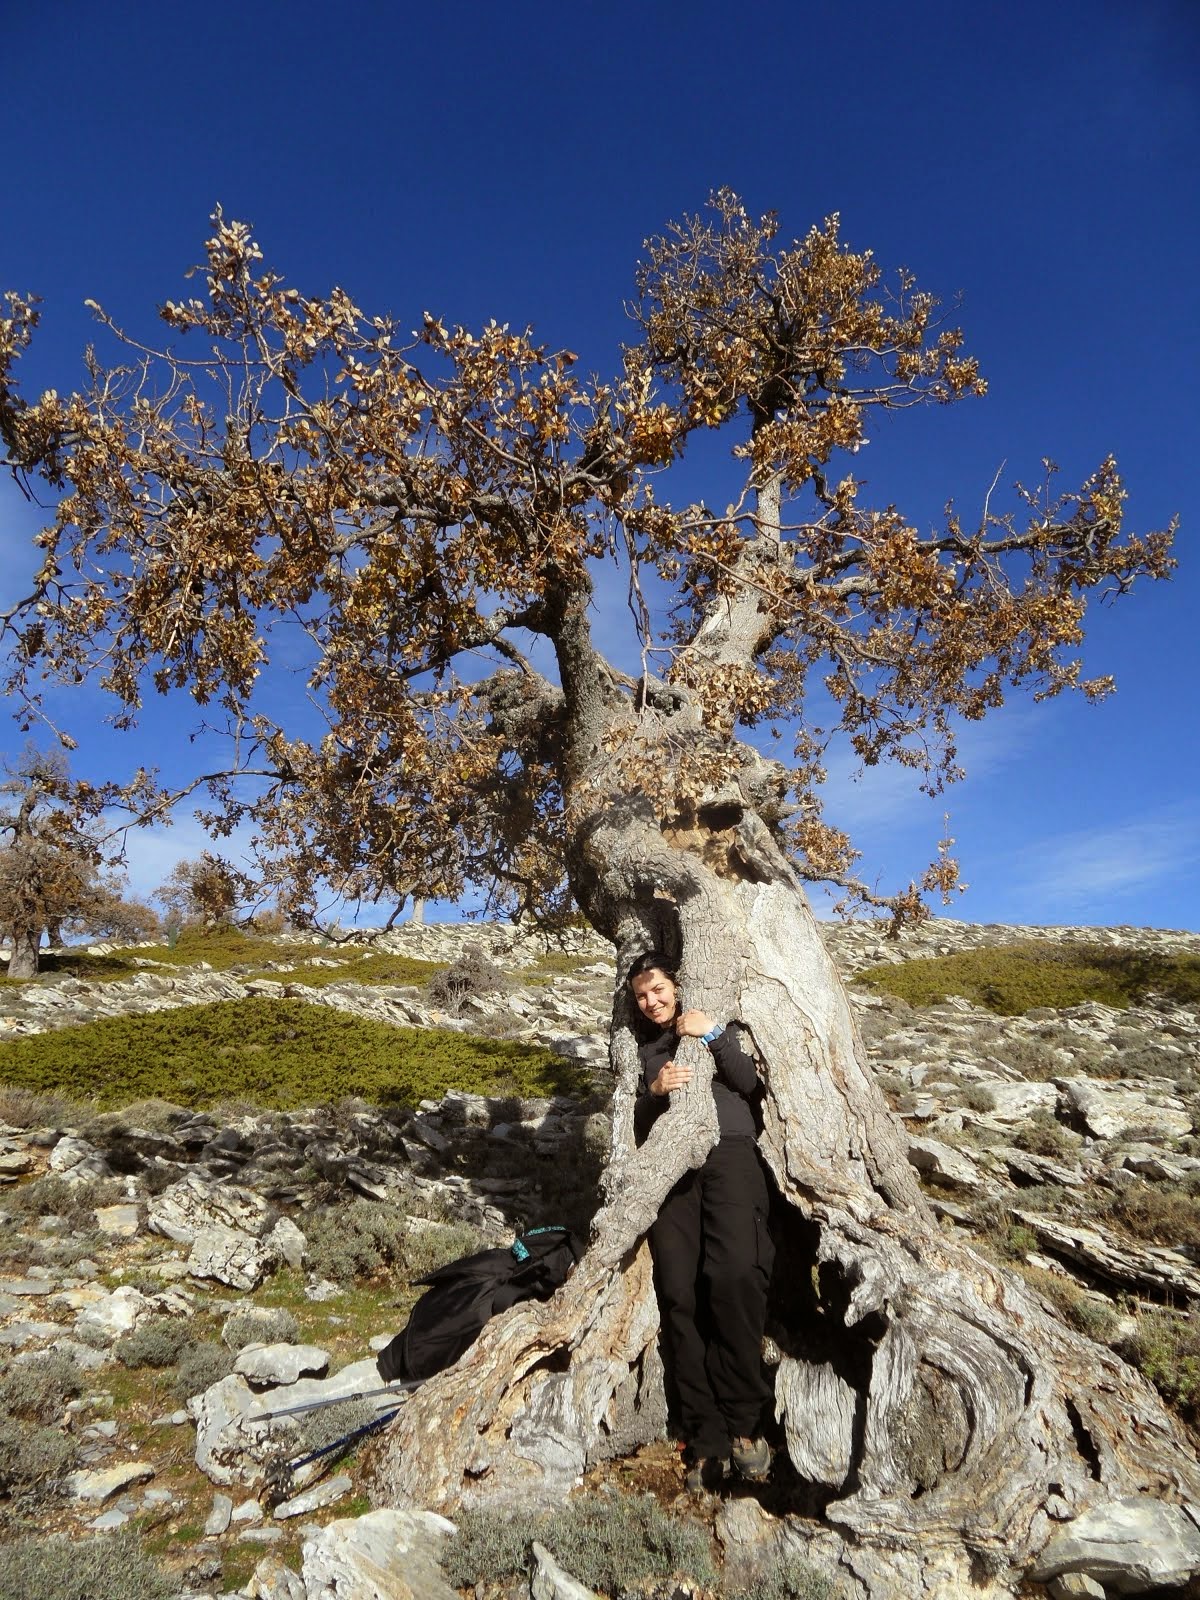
pixel 714 1032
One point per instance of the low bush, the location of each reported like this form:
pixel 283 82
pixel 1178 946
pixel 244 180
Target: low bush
pixel 791 1579
pixel 1159 1213
pixel 158 1342
pixel 200 1366
pixel 331 1423
pixel 1166 1348
pixel 1013 979
pixel 1043 1135
pixel 259 1325
pixel 611 1542
pixel 38 1389
pixel 101 1568
pixel 366 1238
pixel 33 1460
pixel 472 976
pixel 1086 1313
pixel 75 1203
pixel 281 1053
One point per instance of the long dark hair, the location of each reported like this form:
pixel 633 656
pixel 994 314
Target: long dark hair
pixel 652 961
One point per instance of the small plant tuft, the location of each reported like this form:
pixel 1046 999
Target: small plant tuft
pixel 158 1342
pixel 259 1325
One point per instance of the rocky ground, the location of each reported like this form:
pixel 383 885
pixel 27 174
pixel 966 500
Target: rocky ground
pixel 137 1252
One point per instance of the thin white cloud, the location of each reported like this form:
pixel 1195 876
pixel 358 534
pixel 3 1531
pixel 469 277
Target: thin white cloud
pixel 856 798
pixel 151 853
pixel 1097 865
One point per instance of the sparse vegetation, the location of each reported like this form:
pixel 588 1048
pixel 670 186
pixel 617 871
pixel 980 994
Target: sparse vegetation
pixel 364 1239
pixel 612 1542
pixel 259 1325
pixel 1013 979
pixel 200 1366
pixel 100 1568
pixel 158 1342
pixel 281 1053
pixel 36 1390
pixel 472 976
pixel 1166 1347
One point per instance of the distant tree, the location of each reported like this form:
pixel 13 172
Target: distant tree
pixel 415 515
pixel 116 917
pixel 51 866
pixel 206 891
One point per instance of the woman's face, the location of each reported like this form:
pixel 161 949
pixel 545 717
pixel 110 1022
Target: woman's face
pixel 655 996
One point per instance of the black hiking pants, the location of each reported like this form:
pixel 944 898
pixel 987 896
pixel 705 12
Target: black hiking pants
pixel 712 1265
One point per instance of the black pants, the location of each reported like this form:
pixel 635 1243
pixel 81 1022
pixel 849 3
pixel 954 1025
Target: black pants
pixel 712 1264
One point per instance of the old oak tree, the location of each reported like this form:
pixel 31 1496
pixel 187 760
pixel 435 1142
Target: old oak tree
pixel 420 521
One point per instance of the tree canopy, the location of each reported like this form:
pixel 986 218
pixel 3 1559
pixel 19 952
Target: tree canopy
pixel 404 518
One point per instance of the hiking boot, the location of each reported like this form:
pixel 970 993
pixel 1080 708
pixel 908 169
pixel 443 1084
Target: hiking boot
pixel 706 1474
pixel 752 1458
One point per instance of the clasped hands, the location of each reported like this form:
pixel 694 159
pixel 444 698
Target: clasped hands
pixel 673 1075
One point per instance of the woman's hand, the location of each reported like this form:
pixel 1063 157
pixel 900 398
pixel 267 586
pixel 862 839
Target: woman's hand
pixel 671 1077
pixel 693 1024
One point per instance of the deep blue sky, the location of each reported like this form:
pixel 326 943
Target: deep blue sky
pixel 485 161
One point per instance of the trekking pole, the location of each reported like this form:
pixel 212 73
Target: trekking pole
pixel 334 1400
pixel 347 1438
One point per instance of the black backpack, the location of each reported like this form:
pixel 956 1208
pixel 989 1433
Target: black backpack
pixel 463 1294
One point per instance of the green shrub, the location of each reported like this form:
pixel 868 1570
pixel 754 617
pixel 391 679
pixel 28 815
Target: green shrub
pixel 1166 1348
pixel 331 1423
pixel 1160 1213
pixel 158 1342
pixel 1043 1135
pixel 200 1366
pixel 52 1196
pixel 280 1053
pixel 491 1546
pixel 611 1542
pixel 32 1461
pixel 1081 1310
pixel 39 1388
pixel 260 1325
pixel 366 1238
pixel 1016 978
pixel 24 1108
pixel 793 1578
pixel 100 1568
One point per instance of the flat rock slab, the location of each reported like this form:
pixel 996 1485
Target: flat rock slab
pixel 120 1222
pixel 387 1555
pixel 26 1288
pixel 98 1486
pixel 1128 1546
pixel 314 1499
pixel 114 1315
pixel 1113 1112
pixel 18 1334
pixel 281 1363
pixel 16 1163
pixel 942 1163
pixel 186 1208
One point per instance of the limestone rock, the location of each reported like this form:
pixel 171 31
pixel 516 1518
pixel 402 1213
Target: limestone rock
pixel 194 1204
pixel 384 1555
pixel 119 1222
pixel 116 1314
pixel 271 1580
pixel 1127 1545
pixel 552 1582
pixel 287 1243
pixel 101 1485
pixel 942 1163
pixel 281 1363
pixel 230 1256
pixel 1075 1586
pixel 78 1161
pixel 315 1499
pixel 1113 1111
pixel 218 1517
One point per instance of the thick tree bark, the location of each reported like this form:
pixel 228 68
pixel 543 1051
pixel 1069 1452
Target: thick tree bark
pixel 953 1419
pixel 23 962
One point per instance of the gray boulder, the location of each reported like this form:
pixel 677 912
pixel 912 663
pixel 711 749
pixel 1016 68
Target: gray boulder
pixel 387 1555
pixel 1128 1546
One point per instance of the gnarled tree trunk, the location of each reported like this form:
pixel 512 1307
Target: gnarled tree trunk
pixel 23 962
pixel 952 1417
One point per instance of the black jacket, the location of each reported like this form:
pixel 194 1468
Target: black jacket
pixel 735 1086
